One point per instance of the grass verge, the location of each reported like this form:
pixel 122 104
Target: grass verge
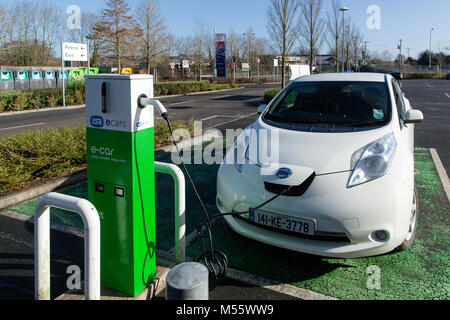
pixel 35 157
pixel 17 100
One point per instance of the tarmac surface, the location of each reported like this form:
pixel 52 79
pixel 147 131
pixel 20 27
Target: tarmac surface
pixel 421 272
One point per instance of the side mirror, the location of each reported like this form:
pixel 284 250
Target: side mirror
pixel 413 116
pixel 261 108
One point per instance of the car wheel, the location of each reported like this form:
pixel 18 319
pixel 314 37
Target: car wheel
pixel 409 240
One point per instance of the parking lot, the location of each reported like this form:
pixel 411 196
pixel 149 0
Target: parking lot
pixel 420 273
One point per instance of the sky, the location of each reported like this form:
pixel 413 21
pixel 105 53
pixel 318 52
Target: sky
pixel 409 20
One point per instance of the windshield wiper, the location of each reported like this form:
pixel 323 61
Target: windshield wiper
pixel 365 123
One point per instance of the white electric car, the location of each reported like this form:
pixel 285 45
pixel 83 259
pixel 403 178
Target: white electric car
pixel 339 148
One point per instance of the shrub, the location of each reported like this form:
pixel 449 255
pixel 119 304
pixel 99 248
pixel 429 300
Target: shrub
pixel 79 96
pixel 269 95
pixel 53 100
pixel 34 156
pixel 40 155
pixel 180 87
pixel 76 85
pixel 75 94
pixel 2 105
pixel 162 133
pixel 20 102
pixel 423 75
pixel 36 101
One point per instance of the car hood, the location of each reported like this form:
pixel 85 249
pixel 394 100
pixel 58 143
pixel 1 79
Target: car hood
pixel 324 153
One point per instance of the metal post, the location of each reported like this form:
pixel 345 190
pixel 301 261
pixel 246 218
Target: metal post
pixel 91 221
pixel 89 58
pixel 180 207
pixel 429 66
pixel 343 9
pixel 62 67
pixel 188 281
pixel 258 71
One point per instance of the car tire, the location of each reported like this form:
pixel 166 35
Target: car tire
pixel 408 242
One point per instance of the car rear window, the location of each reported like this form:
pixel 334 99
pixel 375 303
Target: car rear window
pixel 332 103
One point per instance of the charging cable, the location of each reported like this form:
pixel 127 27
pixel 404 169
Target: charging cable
pixel 216 261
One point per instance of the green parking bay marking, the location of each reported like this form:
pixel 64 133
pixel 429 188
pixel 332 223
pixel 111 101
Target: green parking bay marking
pixel 165 206
pixel 422 272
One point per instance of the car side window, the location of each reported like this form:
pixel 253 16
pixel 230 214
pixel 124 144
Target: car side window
pixel 399 101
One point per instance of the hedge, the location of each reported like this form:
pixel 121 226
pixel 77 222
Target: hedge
pixel 424 75
pixel 75 95
pixel 34 157
pixel 15 100
pixel 269 95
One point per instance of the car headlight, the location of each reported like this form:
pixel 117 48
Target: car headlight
pixel 372 161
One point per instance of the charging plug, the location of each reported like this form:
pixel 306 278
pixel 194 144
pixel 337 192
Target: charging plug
pixel 144 102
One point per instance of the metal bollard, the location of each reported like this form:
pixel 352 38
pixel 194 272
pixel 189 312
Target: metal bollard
pixel 188 281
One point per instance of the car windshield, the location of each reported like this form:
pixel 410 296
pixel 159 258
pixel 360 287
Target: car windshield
pixel 333 103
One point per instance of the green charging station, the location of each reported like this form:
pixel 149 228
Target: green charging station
pixel 121 178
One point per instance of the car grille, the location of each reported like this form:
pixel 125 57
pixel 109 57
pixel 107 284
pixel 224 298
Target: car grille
pixel 295 191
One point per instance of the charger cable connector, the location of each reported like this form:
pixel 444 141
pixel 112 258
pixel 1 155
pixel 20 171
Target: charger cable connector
pixel 144 102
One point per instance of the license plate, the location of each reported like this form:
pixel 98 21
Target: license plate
pixel 282 222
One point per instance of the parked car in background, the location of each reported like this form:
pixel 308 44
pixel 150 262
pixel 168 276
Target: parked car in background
pixel 344 170
pixel 448 75
pixel 397 74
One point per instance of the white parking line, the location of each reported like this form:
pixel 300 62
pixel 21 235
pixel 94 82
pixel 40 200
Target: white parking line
pixel 441 171
pixel 428 85
pixel 216 116
pixel 221 97
pixel 24 126
pixel 234 120
pixel 448 95
pixel 178 103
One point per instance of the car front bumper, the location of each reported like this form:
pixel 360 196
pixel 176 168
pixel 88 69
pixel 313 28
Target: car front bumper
pixel 380 205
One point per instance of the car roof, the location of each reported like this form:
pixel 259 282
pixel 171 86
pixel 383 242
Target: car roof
pixel 354 76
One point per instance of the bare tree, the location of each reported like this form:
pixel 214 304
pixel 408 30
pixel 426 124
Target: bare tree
pixel 156 39
pixel 233 47
pixel 249 48
pixel 386 56
pixel 356 40
pixel 3 16
pixel 202 44
pixel 334 30
pixel 118 32
pixel 312 29
pixel 29 32
pixel 283 28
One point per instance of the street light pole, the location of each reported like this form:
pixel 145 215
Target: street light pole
pixel 343 9
pixel 365 51
pixel 429 66
pixel 249 39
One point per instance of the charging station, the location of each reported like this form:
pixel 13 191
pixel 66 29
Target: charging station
pixel 121 178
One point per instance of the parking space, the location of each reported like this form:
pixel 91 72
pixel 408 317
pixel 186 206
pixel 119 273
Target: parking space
pixel 432 97
pixel 419 273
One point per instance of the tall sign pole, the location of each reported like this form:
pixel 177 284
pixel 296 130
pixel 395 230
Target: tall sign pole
pixel 62 75
pixel 221 55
